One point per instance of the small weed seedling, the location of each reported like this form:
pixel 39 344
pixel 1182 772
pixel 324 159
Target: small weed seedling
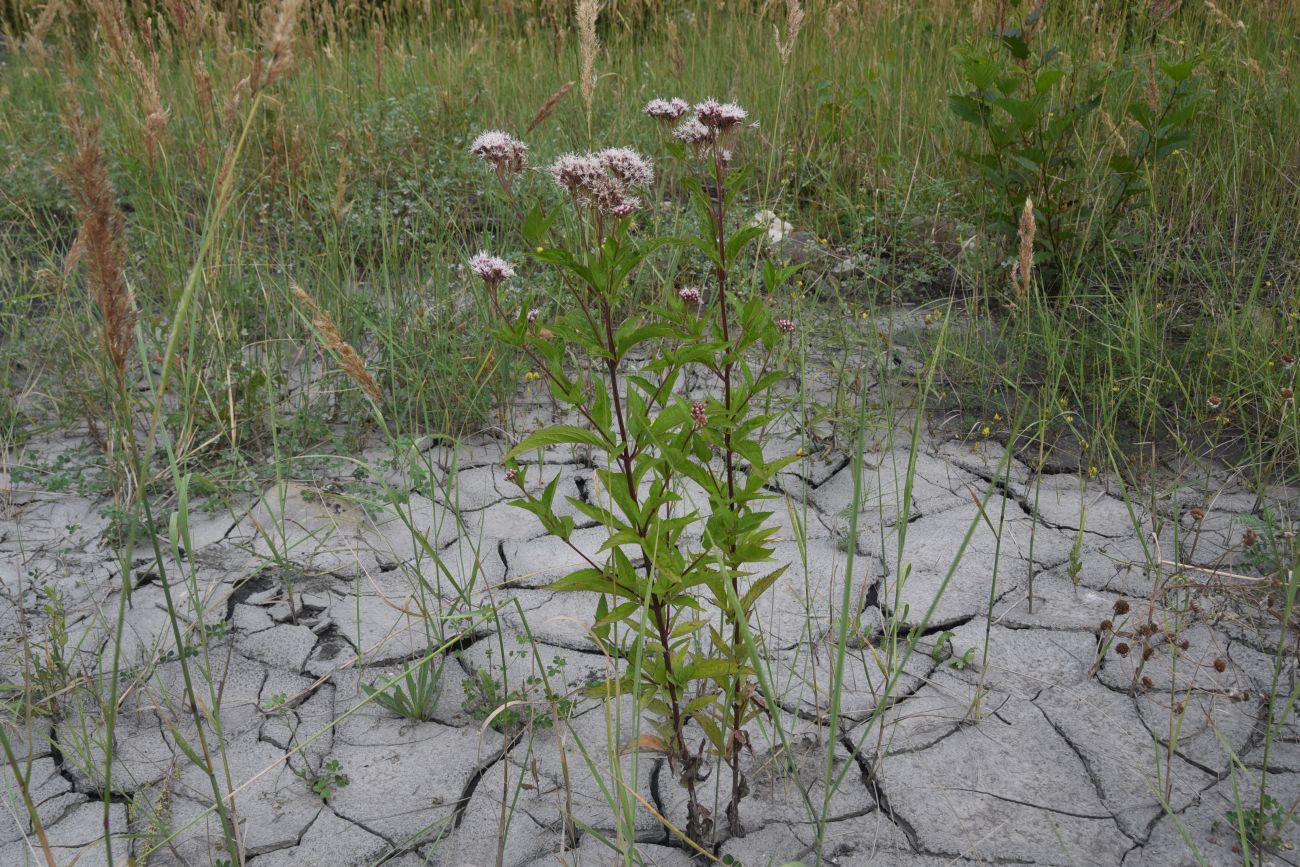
pixel 1261 826
pixel 327 781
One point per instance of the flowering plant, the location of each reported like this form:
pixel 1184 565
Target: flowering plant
pixel 678 581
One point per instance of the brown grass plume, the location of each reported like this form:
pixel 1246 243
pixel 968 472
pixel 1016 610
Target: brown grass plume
pixel 1022 271
pixel 101 240
pixel 349 359
pixel 548 107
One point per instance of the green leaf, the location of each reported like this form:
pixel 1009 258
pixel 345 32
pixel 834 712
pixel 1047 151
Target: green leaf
pixel 558 435
pixel 968 109
pixel 980 71
pixel 711 731
pixel 1047 79
pixel 1016 44
pixel 621 612
pixel 702 669
pixel 759 587
pixel 591 580
pixel 1179 71
pixel 739 240
pixel 537 223
pixel 629 335
pixel 1024 112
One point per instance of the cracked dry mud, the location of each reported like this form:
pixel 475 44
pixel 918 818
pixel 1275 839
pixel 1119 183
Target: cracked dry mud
pixel 1023 738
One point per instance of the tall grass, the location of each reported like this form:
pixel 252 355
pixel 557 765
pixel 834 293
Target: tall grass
pixel 357 184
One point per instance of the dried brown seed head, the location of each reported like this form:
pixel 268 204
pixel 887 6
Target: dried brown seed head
pixel 1220 665
pixel 1121 606
pixel 1122 648
pixel 101 242
pixel 1147 682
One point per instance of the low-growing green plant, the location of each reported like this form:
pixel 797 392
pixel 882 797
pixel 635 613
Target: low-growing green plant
pixel 1262 825
pixel 684 582
pixel 413 696
pixel 328 780
pixel 486 696
pixel 532 703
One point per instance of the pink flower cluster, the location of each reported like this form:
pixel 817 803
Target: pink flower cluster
pixel 501 151
pixel 492 270
pixel 667 109
pixel 785 326
pixel 691 296
pixel 722 116
pixel 692 132
pixel 711 122
pixel 628 166
pixel 698 416
pixel 600 181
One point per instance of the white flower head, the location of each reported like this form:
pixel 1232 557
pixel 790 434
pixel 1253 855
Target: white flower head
pixel 575 172
pixel 600 181
pixel 667 110
pixel 500 150
pixel 492 270
pixel 692 132
pixel 628 166
pixel 722 116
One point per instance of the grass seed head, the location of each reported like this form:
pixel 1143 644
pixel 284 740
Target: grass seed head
pixel 793 24
pixel 349 359
pixel 101 240
pixel 588 45
pixel 1023 270
pixel 279 44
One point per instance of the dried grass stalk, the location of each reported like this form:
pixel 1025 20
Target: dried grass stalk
pixel 156 115
pixel 111 17
pixel 675 49
pixel 793 24
pixel 1022 272
pixel 349 358
pixel 101 241
pixel 548 107
pixel 377 36
pixel 1152 88
pixel 35 41
pixel 279 45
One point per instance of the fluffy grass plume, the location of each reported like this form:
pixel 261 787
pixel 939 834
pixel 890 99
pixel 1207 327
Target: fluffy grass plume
pixel 588 45
pixel 349 359
pixel 101 240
